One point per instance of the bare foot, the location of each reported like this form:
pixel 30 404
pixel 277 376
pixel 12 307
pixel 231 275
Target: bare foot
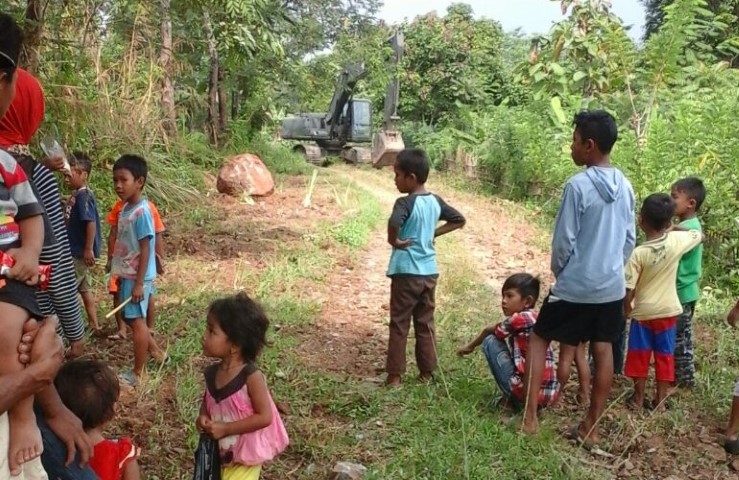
pixel 582 398
pixel 530 427
pixel 25 439
pixel 426 377
pixel 392 381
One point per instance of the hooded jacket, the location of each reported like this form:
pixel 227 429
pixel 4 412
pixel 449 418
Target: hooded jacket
pixel 594 236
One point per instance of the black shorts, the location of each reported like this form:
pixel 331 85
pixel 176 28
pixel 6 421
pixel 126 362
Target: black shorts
pixel 574 323
pixel 21 295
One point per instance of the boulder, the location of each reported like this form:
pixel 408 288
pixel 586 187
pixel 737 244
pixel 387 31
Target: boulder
pixel 245 174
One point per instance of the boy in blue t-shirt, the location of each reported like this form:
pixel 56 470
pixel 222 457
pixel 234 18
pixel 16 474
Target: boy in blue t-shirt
pixel 413 270
pixel 83 229
pixel 134 259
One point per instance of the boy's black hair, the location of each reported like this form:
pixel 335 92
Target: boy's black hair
pixel 598 125
pixel 693 187
pixel 526 284
pixel 80 160
pixel 244 323
pixel 657 210
pixel 89 389
pixel 414 161
pixel 134 164
pixel 11 39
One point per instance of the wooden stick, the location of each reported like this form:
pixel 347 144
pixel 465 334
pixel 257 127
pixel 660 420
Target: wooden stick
pixel 118 308
pixel 311 186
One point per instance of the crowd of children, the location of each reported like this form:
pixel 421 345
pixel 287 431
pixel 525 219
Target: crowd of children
pixel 602 281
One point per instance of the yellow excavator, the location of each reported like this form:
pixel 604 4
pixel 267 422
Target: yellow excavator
pixel 348 123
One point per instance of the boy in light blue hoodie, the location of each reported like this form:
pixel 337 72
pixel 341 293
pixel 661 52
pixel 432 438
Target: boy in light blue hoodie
pixel 594 236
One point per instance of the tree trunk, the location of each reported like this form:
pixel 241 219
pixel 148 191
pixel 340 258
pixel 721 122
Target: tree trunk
pixel 32 29
pixel 165 57
pixel 222 99
pixel 235 102
pixel 212 80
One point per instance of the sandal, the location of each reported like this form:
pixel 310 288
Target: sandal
pixel 732 446
pixel 116 337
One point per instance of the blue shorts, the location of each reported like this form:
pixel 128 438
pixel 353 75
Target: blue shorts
pixel 132 311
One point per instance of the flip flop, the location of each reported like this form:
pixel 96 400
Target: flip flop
pixel 116 337
pixel 129 378
pixel 732 446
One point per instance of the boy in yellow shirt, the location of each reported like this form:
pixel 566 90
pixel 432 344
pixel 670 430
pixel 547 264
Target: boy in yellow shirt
pixel 651 285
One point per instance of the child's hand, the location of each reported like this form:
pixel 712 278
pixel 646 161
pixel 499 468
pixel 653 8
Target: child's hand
pixel 159 264
pixel 26 266
pixel 466 350
pixel 201 422
pixel 89 258
pixel 138 293
pixel 403 244
pixel 216 430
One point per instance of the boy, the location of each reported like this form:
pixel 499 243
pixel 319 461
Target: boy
pixel 594 235
pixel 413 270
pixel 112 220
pixel 688 195
pixel 133 259
pixel 83 228
pixel 650 284
pixel 507 361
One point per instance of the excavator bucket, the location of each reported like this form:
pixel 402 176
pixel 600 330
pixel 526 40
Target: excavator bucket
pixel 385 147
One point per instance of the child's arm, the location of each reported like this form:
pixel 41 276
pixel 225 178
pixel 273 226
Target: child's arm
pixel 628 302
pixel 401 211
pixel 89 254
pixel 470 347
pixel 259 394
pixel 566 229
pixel 111 244
pixel 26 257
pixel 138 289
pixel 132 471
pixel 451 216
pixel 203 417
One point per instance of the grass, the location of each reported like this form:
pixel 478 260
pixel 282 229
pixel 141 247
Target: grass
pixel 450 429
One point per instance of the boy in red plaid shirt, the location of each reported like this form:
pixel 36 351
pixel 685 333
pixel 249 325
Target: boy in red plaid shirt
pixel 505 344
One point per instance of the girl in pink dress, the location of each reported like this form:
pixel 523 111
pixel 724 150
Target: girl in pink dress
pixel 237 408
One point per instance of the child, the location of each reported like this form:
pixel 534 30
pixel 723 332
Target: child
pixel 21 237
pixel 688 195
pixel 413 269
pixel 568 354
pixel 237 408
pixel 594 235
pixel 507 361
pixel 133 258
pixel 112 220
pixel 83 227
pixel 650 283
pixel 89 389
pixel 731 440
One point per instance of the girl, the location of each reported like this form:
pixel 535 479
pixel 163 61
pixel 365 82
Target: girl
pixel 90 389
pixel 237 408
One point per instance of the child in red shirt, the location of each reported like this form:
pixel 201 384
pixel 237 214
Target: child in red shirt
pixel 90 389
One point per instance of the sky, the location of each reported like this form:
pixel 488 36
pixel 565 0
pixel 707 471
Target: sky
pixel 532 16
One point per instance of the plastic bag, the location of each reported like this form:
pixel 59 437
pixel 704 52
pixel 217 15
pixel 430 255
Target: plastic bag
pixel 207 460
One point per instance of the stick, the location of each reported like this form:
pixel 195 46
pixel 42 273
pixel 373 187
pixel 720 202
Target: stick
pixel 118 308
pixel 309 194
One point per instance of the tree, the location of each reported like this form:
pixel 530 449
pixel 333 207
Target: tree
pixel 165 57
pixel 450 61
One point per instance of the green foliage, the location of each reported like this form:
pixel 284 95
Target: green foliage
pixel 450 61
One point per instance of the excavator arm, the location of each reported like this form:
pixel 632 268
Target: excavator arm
pixel 348 79
pixel 388 142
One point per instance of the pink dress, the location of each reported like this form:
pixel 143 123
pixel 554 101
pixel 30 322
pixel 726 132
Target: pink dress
pixel 231 403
